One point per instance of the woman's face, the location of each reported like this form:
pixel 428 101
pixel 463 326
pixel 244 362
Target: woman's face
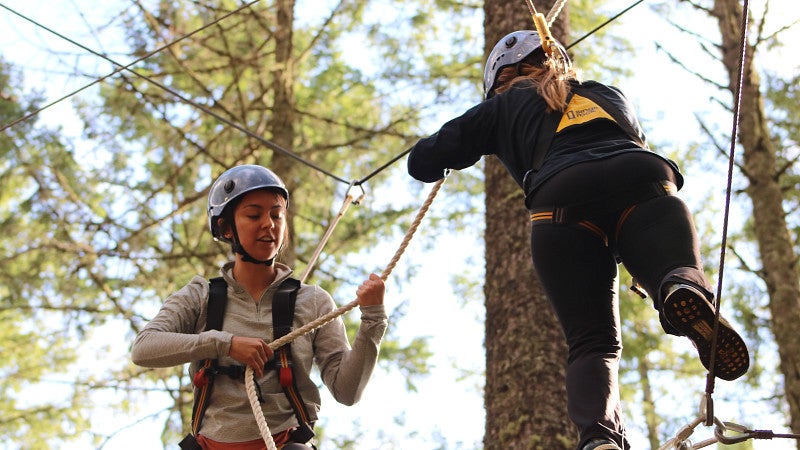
pixel 260 219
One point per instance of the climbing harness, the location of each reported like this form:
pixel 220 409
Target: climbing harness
pixel 203 380
pixel 570 214
pixel 282 317
pixel 250 385
pixel 283 304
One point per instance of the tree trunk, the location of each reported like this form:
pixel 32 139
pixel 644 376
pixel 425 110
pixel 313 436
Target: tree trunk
pixel 779 260
pixel 648 403
pixel 283 118
pixel 525 396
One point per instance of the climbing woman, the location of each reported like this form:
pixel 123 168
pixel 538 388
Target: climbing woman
pixel 260 302
pixel 597 196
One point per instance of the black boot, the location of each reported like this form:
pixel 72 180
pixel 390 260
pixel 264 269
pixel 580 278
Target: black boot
pixel 690 312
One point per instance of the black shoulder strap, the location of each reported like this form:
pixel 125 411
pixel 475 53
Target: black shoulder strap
pixel 545 137
pixel 542 146
pixel 283 307
pixel 283 303
pixel 217 301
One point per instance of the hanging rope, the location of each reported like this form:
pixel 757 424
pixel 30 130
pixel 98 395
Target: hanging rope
pixel 555 11
pixel 597 28
pixel 552 15
pixel 737 105
pixel 681 441
pixel 252 395
pixel 542 27
pixel 255 406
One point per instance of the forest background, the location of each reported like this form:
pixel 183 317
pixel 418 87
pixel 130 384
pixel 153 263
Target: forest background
pixel 103 198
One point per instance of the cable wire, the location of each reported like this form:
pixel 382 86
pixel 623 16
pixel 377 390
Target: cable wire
pixel 119 69
pixel 266 142
pixel 597 28
pixel 262 140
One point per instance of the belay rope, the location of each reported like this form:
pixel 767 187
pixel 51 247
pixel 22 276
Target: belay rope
pixel 706 416
pixel 250 386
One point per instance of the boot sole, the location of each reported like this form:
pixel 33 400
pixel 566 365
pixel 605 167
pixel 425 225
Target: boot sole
pixel 692 315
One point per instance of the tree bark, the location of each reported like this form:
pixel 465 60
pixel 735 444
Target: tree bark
pixel 525 396
pixel 283 117
pixel 776 247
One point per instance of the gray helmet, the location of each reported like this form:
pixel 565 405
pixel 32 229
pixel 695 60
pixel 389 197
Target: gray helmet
pixel 234 183
pixel 510 50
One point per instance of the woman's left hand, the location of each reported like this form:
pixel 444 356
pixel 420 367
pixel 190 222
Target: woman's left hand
pixel 371 291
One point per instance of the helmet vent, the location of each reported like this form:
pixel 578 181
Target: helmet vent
pixel 511 41
pixel 229 185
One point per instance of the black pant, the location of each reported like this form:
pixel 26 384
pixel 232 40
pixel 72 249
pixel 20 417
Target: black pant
pixel 577 265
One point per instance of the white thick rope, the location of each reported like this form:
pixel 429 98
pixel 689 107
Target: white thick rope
pixel 255 405
pixel 555 11
pixel 249 379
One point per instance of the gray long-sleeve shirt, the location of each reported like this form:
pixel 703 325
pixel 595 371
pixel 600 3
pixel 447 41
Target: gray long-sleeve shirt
pixel 176 336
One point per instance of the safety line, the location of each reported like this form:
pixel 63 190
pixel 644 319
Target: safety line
pixel 262 140
pixel 189 102
pixel 596 29
pixel 348 200
pixel 383 167
pixel 731 154
pixel 680 441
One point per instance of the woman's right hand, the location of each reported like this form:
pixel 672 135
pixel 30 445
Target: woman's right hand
pixel 253 352
pixel 371 291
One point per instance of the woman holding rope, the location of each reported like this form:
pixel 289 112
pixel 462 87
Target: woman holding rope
pixel 597 196
pixel 247 209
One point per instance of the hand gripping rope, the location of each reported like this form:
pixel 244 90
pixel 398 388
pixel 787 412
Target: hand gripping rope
pixel 250 386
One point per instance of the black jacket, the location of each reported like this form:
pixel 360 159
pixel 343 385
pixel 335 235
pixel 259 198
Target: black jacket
pixel 599 122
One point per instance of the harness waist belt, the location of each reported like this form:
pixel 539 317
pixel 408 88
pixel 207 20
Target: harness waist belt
pixel 579 211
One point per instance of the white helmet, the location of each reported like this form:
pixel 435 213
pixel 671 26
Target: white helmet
pixel 510 50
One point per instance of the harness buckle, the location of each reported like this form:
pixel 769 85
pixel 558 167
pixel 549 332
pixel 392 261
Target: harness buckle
pixel 200 379
pixel 302 434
